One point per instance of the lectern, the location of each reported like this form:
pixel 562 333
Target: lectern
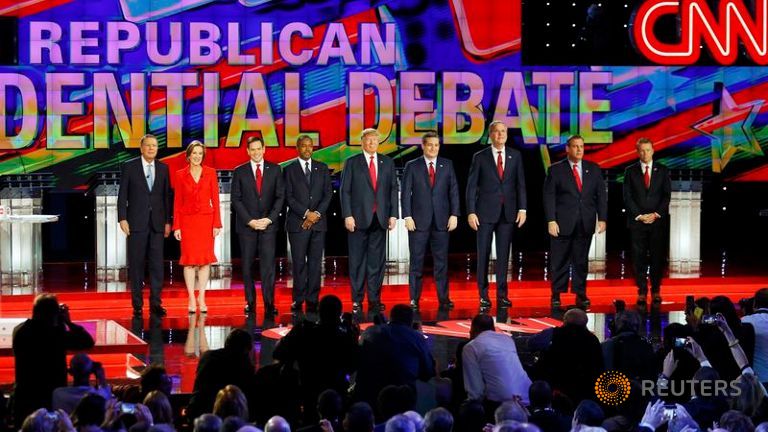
pixel 21 251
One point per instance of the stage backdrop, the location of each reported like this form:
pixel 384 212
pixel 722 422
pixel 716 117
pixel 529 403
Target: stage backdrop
pixel 82 80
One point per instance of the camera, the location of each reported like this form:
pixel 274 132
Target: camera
pixel 128 408
pixel 681 342
pixel 709 319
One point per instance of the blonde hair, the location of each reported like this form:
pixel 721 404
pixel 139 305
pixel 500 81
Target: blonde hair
pixel 368 131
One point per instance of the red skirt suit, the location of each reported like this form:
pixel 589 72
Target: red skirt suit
pixel 196 213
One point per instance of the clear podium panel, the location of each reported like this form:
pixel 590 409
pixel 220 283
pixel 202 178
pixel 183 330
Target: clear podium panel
pixel 21 253
pixel 111 255
pixel 685 234
pixel 222 244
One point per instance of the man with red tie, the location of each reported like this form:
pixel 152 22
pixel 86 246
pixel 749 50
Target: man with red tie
pixel 257 198
pixel 430 203
pixel 369 207
pixel 496 203
pixel 647 192
pixel 574 198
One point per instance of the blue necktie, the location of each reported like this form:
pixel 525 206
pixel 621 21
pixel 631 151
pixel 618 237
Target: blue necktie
pixel 150 177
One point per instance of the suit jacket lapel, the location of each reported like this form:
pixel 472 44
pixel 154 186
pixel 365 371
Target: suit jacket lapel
pixel 364 164
pixel 507 163
pixel 378 172
pixel 143 175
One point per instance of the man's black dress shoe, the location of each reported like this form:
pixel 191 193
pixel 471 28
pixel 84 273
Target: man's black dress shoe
pixel 159 311
pixel 485 303
pixel 248 308
pixel 446 304
pixel 504 302
pixel 415 305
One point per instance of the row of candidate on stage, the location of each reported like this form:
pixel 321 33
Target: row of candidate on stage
pixel 575 207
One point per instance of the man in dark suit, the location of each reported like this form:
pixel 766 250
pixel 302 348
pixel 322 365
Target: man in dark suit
pixel 308 193
pixel 496 201
pixel 647 191
pixel 430 203
pixel 369 207
pixel 257 197
pixel 574 196
pixel 144 212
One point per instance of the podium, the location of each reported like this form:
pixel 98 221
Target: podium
pixel 111 253
pixel 21 251
pixel 685 224
pixel 398 254
pixel 222 244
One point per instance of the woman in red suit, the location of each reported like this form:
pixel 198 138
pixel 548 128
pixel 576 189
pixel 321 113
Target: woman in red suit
pixel 196 221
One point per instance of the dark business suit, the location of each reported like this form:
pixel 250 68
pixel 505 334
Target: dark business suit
pixel 496 202
pixel 147 212
pixel 371 209
pixel 249 205
pixel 302 195
pixel 576 214
pixel 648 240
pixel 430 207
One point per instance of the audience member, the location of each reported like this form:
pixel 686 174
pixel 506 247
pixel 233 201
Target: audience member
pixel 541 412
pixel 231 424
pixel 759 322
pixel 337 342
pixel 628 352
pixel 40 346
pixel 400 423
pixel 81 367
pixel 492 370
pixel 392 354
pixel 438 420
pixel 160 407
pixel 510 410
pixel 208 423
pixel 573 359
pixel 330 407
pixel 230 401
pixel 735 421
pixel 359 418
pixel 277 424
pixel 221 367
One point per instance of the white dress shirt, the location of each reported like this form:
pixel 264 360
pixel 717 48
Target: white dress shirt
pixel 503 156
pixel 375 161
pixel 492 369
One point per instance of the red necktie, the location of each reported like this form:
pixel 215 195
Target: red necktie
pixel 372 173
pixel 576 176
pixel 258 179
pixel 500 166
pixel 431 174
pixel 647 177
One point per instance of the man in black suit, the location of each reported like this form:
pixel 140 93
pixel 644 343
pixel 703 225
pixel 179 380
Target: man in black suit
pixel 308 193
pixel 144 212
pixel 574 196
pixel 257 197
pixel 430 202
pixel 496 201
pixel 369 207
pixel 647 191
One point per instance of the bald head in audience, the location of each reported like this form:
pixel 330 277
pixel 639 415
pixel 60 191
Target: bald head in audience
pixel 576 317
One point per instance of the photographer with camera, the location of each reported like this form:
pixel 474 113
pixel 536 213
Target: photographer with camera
pixel 40 346
pixel 81 367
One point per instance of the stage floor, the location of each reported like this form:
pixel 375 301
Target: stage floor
pixel 178 339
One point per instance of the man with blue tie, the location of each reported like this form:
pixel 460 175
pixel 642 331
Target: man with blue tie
pixel 430 204
pixel 144 213
pixel 574 198
pixel 369 207
pixel 308 193
pixel 496 201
